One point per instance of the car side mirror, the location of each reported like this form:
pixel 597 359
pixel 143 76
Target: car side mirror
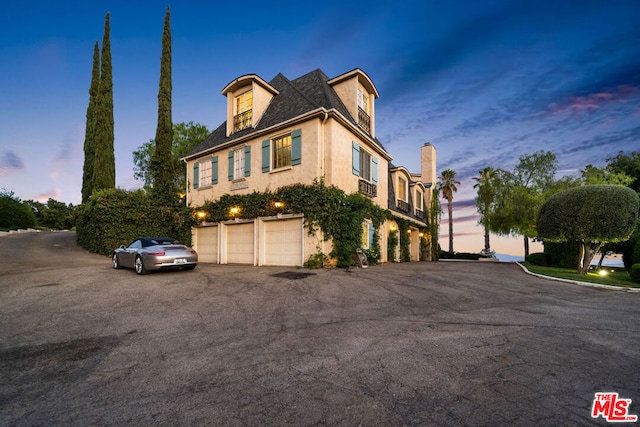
pixel 121 246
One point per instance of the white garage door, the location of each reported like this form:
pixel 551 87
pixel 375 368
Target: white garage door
pixel 283 242
pixel 240 243
pixel 207 244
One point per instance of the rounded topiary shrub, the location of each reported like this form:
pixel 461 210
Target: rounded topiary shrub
pixel 538 258
pixel 634 272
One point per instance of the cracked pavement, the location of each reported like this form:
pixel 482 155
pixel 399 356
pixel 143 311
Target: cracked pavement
pixel 448 343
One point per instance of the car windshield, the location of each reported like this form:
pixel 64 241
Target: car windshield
pixel 164 241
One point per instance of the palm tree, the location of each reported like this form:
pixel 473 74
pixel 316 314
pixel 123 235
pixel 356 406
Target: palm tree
pixel 447 185
pixel 486 185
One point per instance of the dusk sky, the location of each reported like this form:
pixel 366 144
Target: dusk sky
pixel 483 81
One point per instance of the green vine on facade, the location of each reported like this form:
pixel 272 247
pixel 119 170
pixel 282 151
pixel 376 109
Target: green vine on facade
pixel 328 208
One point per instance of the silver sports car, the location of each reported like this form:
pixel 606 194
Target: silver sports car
pixel 155 253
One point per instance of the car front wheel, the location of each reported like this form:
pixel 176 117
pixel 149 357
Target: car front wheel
pixel 116 263
pixel 140 266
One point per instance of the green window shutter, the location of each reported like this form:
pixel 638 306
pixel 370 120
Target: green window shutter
pixel 214 170
pixel 296 147
pixel 374 170
pixel 230 165
pixel 196 174
pixel 356 159
pixel 247 160
pixel 266 155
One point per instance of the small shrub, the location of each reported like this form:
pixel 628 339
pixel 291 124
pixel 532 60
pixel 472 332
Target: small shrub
pixel 634 272
pixel 315 261
pixel 539 258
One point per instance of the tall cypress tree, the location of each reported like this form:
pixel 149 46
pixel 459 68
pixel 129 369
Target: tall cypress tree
pixel 161 165
pixel 104 174
pixel 90 129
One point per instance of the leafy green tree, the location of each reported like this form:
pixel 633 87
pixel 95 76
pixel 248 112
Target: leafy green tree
pixel 591 215
pixel 90 129
pixel 447 184
pixel 164 189
pixel 104 174
pixel 185 137
pixel 520 194
pixel 592 175
pixel 486 183
pixel 54 214
pixel 629 164
pixel 14 213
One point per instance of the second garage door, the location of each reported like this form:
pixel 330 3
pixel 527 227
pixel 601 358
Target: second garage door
pixel 283 242
pixel 240 243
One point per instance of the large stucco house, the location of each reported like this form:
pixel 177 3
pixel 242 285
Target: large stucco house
pixel 285 131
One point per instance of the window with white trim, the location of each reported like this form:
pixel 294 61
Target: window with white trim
pixel 238 163
pixel 281 152
pixel 402 189
pixel 243 117
pixel 419 204
pixel 363 100
pixel 205 172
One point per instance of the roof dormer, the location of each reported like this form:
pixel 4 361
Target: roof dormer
pixel 357 92
pixel 247 98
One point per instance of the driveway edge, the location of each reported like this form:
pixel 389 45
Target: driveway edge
pixel 577 282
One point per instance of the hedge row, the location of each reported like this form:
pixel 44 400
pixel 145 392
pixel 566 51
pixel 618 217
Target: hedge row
pixel 115 217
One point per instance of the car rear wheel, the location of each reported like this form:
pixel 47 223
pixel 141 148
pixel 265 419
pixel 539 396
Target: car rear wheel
pixel 116 262
pixel 140 266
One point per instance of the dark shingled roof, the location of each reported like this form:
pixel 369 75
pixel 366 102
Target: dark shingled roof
pixel 296 97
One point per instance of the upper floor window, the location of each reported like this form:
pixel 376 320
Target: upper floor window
pixel 244 111
pixel 238 163
pixel 419 204
pixel 363 100
pixel 402 189
pixel 364 164
pixel 364 120
pixel 282 151
pixel 205 172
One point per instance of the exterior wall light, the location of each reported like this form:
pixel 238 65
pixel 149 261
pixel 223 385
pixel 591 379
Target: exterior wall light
pixel 234 210
pixel 421 234
pixel 278 205
pixel 201 215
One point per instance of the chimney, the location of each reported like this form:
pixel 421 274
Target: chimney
pixel 428 164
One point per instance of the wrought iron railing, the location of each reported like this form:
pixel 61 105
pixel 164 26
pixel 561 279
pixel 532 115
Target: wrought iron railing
pixel 243 120
pixel 419 214
pixel 402 205
pixel 364 121
pixel 367 188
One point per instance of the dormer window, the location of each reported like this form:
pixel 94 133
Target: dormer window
pixel 243 117
pixel 364 120
pixel 402 189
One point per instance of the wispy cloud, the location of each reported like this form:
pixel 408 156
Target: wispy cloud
pixel 10 163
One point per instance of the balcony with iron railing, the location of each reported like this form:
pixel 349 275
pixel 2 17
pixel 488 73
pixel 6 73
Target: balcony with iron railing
pixel 367 188
pixel 364 121
pixel 243 120
pixel 402 206
pixel 419 214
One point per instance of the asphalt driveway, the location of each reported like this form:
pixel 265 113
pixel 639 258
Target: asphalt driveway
pixel 448 343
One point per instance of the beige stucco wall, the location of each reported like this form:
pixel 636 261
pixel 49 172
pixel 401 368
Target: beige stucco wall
pixel 339 152
pixel 259 181
pixel 326 149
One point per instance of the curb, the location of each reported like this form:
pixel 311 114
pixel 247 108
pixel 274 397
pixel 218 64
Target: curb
pixel 576 282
